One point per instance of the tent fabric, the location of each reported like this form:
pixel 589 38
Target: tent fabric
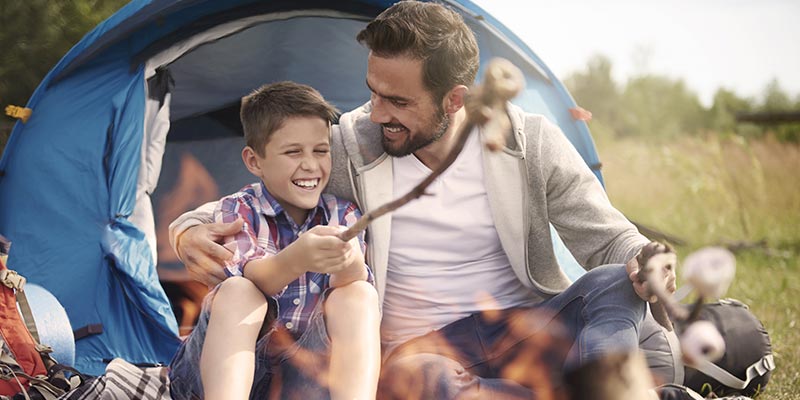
pixel 83 182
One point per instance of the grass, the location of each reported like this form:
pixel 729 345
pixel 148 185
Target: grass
pixel 716 190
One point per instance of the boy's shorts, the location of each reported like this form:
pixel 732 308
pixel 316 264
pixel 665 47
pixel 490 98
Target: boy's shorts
pixel 286 368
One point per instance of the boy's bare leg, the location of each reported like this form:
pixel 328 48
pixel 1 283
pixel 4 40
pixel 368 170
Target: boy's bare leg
pixel 353 320
pixel 227 362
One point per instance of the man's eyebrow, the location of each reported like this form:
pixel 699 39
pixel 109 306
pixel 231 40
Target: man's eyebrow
pixel 390 98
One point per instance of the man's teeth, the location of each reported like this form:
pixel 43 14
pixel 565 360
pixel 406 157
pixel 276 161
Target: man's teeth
pixel 306 183
pixel 393 129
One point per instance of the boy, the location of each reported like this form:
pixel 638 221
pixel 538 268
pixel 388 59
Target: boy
pixel 287 264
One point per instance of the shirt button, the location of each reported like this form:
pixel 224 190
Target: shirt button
pixel 296 301
pixel 289 325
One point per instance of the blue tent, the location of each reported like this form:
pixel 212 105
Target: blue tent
pixel 151 96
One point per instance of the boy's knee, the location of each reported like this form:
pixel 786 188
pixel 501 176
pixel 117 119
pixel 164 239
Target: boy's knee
pixel 358 294
pixel 240 291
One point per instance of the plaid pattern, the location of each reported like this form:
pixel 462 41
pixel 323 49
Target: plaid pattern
pixel 268 229
pixel 123 380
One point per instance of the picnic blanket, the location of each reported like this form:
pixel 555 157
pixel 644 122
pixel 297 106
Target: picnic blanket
pixel 123 380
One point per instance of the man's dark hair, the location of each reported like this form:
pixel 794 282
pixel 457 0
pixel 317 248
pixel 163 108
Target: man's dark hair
pixel 429 32
pixel 266 109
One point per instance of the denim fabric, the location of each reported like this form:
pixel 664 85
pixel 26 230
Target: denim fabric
pixel 519 353
pixel 286 367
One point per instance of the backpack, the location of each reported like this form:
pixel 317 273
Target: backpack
pixel 748 362
pixel 744 370
pixel 26 366
pixel 672 391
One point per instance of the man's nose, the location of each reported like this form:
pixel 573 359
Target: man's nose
pixel 379 114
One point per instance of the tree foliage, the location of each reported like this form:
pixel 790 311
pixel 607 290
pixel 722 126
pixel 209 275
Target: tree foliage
pixel 596 89
pixel 776 100
pixel 722 114
pixel 35 34
pixel 660 107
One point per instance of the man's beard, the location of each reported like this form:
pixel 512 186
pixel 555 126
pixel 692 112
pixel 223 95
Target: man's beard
pixel 412 144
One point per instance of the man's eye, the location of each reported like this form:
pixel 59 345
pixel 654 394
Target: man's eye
pixel 399 103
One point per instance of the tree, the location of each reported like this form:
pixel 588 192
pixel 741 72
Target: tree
pixel 661 107
pixel 723 112
pixel 35 34
pixel 595 90
pixel 776 100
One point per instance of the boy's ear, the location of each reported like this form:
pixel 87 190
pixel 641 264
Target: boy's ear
pixel 454 99
pixel 250 159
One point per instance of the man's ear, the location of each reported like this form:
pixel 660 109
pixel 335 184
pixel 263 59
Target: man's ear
pixel 250 159
pixel 454 99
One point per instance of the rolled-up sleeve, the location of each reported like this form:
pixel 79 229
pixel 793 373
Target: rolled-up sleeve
pixel 244 244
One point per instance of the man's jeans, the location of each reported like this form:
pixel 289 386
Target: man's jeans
pixel 519 353
pixel 285 368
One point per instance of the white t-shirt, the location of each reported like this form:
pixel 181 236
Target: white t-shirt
pixel 445 257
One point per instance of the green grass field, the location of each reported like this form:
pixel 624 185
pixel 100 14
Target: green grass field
pixel 713 191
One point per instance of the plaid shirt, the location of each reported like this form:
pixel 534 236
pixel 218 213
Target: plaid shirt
pixel 267 230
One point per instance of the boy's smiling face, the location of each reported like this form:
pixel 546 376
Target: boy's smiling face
pixel 296 164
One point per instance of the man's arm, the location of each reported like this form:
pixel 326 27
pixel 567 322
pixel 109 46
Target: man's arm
pixel 201 215
pixel 197 242
pixel 594 231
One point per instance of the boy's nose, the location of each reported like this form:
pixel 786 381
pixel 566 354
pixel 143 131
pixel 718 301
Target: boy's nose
pixel 309 164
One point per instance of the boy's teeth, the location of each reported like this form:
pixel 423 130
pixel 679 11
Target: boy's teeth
pixel 307 183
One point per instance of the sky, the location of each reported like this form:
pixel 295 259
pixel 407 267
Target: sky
pixel 740 45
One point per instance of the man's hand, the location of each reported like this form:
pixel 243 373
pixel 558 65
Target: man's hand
pixel 634 265
pixel 200 250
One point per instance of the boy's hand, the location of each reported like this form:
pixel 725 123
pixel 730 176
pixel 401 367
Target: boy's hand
pixel 354 269
pixel 320 250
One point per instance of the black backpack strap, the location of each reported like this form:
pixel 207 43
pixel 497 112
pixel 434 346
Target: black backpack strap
pixel 758 368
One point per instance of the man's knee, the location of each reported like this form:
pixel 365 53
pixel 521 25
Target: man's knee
pixel 423 376
pixel 612 283
pixel 609 274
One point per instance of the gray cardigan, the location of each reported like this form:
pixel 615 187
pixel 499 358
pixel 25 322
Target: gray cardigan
pixel 539 180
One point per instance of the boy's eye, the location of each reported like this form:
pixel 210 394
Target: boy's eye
pixel 322 151
pixel 291 152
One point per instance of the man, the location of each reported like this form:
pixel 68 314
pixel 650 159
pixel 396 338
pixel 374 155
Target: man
pixel 459 271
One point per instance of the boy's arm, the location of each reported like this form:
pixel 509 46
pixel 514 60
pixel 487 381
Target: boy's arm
pixel 357 269
pixel 269 269
pixel 273 274
pixel 316 250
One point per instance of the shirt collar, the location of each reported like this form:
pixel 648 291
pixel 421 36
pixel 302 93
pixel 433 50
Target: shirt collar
pixel 270 207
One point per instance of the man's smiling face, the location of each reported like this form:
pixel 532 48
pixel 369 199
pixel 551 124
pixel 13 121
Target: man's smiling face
pixel 409 116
